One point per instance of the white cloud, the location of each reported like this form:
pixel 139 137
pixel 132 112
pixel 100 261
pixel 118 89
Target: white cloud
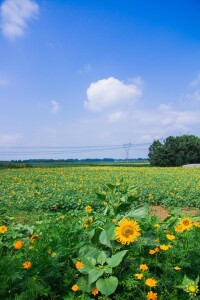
pixel 7 139
pixel 116 116
pixel 109 93
pixel 195 82
pixel 195 96
pixel 55 106
pixel 14 16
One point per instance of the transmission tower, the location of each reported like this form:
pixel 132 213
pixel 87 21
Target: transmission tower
pixel 127 149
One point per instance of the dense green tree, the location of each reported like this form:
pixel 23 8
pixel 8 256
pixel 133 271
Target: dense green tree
pixel 175 151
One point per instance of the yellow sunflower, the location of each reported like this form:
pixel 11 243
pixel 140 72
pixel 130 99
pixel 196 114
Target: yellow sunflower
pixel 196 224
pixel 186 223
pixel 170 237
pixel 127 231
pixel 3 229
pixel 88 209
pixel 178 228
pixel 87 222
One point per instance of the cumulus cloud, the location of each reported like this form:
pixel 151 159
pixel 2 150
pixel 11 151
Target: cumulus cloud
pixel 55 106
pixel 15 15
pixel 109 93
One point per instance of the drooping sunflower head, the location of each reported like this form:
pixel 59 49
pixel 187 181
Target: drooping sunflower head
pixel 186 223
pixel 127 231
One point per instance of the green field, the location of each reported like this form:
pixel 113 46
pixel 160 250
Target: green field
pixel 85 232
pixel 60 188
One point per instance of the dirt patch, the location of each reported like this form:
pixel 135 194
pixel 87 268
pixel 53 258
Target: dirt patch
pixel 162 213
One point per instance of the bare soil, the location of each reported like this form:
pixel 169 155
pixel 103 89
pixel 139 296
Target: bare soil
pixel 162 213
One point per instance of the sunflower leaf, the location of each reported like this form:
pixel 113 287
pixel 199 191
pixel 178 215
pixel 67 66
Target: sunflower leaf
pixel 116 259
pixel 107 286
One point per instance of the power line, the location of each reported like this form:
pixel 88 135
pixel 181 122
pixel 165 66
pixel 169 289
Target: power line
pixel 63 150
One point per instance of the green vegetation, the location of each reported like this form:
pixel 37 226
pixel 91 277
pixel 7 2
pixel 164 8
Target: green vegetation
pixel 175 151
pixel 86 233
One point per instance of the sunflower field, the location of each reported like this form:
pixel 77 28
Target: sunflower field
pixel 87 233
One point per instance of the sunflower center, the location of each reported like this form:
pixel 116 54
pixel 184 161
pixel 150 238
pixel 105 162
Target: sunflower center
pixel 127 231
pixel 186 223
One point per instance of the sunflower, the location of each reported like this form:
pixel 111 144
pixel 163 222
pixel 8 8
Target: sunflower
pixel 127 231
pixel 3 229
pixel 88 209
pixel 87 222
pixel 196 224
pixel 165 247
pixel 178 228
pixel 170 237
pixel 186 223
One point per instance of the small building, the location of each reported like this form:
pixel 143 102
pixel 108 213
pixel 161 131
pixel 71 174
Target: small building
pixel 191 166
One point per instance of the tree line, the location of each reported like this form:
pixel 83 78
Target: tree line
pixel 175 151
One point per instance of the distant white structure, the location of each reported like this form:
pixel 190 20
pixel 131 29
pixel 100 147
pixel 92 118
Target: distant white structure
pixel 191 166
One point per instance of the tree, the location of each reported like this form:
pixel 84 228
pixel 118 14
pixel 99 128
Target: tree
pixel 175 151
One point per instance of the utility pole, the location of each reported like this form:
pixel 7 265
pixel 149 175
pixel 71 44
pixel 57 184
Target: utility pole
pixel 127 149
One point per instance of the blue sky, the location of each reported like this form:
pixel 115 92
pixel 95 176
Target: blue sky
pixel 93 73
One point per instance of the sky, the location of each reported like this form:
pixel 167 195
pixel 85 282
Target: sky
pixel 89 78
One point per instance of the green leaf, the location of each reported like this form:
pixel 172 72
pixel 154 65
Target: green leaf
pixel 103 239
pixel 83 284
pixel 101 196
pixel 88 264
pixel 107 286
pixel 111 186
pixel 89 251
pixel 138 213
pixel 101 258
pixel 94 274
pixel 116 258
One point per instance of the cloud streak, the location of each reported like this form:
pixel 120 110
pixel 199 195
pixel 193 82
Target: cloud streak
pixel 15 15
pixel 9 139
pixel 55 106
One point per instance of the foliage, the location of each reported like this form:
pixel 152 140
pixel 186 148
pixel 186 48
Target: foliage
pixel 108 248
pixel 175 151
